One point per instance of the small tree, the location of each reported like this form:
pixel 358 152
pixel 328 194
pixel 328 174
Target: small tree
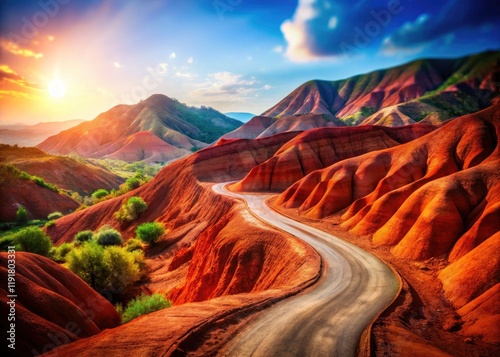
pixel 108 236
pixel 123 267
pixel 88 263
pixel 22 216
pixel 54 215
pixel 150 232
pixel 131 210
pixel 33 240
pixel 83 236
pixel 144 305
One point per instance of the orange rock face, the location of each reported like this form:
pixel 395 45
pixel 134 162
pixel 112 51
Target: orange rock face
pixel 53 306
pixel 319 148
pixel 434 196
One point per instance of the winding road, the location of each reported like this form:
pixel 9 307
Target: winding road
pixel 328 319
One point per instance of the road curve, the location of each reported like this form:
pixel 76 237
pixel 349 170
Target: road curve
pixel 327 320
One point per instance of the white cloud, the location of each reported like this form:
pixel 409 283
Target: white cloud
pixel 278 49
pixel 227 87
pixel 186 75
pixel 117 65
pixel 190 60
pixel 172 55
pixel 267 87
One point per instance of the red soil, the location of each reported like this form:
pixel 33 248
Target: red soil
pixel 64 172
pixel 434 196
pixel 213 250
pixel 53 306
pixel 38 201
pixel 320 148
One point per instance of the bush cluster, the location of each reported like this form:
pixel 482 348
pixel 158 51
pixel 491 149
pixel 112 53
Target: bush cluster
pixel 150 232
pixel 54 216
pixel 33 240
pixel 110 267
pixel 108 236
pixel 144 304
pixel 131 210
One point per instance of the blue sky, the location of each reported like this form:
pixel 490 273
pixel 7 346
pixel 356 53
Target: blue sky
pixel 233 55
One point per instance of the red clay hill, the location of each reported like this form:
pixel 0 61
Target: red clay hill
pixel 126 131
pixel 435 196
pixel 428 90
pixel 53 306
pixel 62 173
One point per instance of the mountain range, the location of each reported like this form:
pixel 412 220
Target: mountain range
pixel 31 135
pixel 427 91
pixel 158 129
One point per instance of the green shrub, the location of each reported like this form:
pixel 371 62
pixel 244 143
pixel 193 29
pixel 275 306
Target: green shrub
pixel 54 215
pixel 33 240
pixel 50 224
pixel 124 270
pixel 150 232
pixel 83 236
pixel 144 305
pixel 133 183
pixel 22 216
pixel 131 210
pixel 133 244
pixel 101 193
pixel 108 236
pixel 88 263
pixel 59 253
pixel 105 267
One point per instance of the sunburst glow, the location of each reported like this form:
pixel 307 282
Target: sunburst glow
pixel 56 89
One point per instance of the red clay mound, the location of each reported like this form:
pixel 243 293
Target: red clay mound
pixel 53 306
pixel 224 262
pixel 319 148
pixel 435 196
pixel 145 146
pixel 472 285
pixel 175 196
pixel 397 193
pixel 64 172
pixel 38 201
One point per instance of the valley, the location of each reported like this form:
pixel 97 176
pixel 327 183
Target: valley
pixel 358 216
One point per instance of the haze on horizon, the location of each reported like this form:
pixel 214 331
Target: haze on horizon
pixel 62 59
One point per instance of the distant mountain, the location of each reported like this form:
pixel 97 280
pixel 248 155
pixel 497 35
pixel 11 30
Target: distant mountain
pixel 115 133
pixel 31 135
pixel 241 116
pixel 428 90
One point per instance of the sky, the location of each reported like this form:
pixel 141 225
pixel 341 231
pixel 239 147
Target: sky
pixel 72 59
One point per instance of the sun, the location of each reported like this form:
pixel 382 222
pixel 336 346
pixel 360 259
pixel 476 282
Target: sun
pixel 56 89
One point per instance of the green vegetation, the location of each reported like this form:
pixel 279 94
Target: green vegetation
pixel 131 210
pixel 59 254
pixel 105 267
pixel 50 224
pixel 83 236
pixel 88 263
pixel 133 244
pixel 143 305
pixel 133 183
pixel 22 216
pixel 54 216
pixel 150 232
pixel 362 114
pixel 108 236
pixel 33 240
pixel 100 193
